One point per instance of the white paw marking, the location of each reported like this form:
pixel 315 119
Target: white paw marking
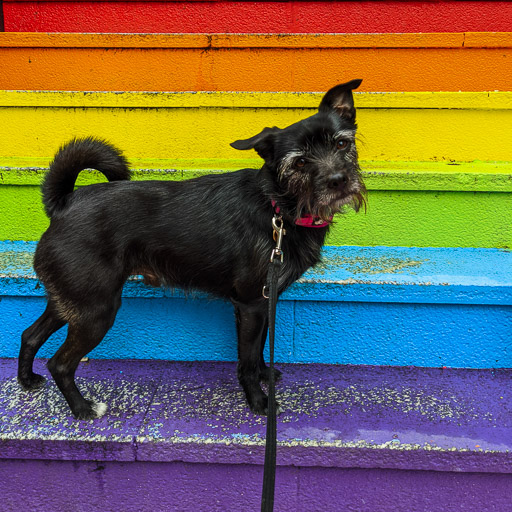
pixel 99 408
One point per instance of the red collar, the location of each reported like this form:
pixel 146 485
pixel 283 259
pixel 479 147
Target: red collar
pixel 307 221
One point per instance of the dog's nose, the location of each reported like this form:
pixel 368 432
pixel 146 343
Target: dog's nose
pixel 338 181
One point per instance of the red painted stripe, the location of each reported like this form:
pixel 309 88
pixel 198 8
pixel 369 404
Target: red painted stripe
pixel 257 17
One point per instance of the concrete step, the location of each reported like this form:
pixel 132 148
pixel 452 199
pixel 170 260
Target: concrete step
pixel 178 436
pixel 256 17
pixel 425 204
pixel 362 305
pixel 454 61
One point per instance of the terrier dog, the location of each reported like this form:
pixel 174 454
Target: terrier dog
pixel 101 234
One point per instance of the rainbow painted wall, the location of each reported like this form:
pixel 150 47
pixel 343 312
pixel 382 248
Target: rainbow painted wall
pixel 428 283
pixel 435 106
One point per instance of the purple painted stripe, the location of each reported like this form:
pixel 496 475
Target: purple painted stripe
pixel 42 486
pixel 335 416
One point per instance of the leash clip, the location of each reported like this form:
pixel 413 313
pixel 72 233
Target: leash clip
pixel 277 252
pixel 279 232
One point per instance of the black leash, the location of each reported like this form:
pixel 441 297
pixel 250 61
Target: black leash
pixel 269 468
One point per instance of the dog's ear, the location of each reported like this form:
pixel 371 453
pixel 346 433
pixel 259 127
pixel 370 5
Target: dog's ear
pixel 263 143
pixel 341 100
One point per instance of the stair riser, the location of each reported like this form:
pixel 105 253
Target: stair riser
pixel 393 218
pixel 382 333
pixel 84 486
pixel 256 17
pixel 261 62
pixel 199 128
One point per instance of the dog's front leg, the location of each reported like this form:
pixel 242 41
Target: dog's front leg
pixel 264 369
pixel 252 323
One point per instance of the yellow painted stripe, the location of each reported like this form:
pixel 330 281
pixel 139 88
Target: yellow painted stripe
pixel 195 129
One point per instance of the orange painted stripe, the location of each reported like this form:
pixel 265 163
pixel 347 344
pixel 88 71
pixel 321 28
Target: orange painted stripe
pixel 402 40
pixel 487 39
pixel 255 62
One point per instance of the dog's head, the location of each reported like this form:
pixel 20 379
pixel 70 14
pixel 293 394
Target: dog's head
pixel 314 161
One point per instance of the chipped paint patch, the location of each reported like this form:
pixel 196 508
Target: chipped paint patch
pixel 44 415
pixel 369 265
pixel 12 261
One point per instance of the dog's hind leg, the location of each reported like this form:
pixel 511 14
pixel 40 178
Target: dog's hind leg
pixel 31 341
pixel 83 336
pixel 251 322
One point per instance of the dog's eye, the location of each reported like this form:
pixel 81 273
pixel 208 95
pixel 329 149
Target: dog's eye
pixel 300 162
pixel 342 144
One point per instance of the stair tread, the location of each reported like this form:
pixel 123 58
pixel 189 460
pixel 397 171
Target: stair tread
pixel 369 274
pixel 477 176
pixel 339 416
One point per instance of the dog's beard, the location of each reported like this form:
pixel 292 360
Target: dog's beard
pixel 355 200
pixel 313 198
pixel 326 205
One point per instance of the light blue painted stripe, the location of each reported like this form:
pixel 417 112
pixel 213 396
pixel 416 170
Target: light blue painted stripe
pixel 348 274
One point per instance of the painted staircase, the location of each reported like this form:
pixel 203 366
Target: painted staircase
pixel 395 349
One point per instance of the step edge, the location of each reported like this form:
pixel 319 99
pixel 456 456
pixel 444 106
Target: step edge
pixel 423 100
pixel 478 176
pixel 140 449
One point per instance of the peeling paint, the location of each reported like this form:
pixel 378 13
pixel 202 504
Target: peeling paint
pixel 367 265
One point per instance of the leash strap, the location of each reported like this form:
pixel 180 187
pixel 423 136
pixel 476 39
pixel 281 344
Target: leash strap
pixel 269 468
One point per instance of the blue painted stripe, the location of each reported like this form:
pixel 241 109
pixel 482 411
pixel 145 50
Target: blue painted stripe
pixel 430 335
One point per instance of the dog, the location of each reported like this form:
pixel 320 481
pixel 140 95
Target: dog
pixel 101 234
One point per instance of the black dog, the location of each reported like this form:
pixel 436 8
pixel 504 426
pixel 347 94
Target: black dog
pixel 101 234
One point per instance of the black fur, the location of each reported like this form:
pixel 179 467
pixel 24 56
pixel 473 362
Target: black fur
pixel 211 233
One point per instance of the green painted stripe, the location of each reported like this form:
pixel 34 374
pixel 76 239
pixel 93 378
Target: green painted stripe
pixel 412 218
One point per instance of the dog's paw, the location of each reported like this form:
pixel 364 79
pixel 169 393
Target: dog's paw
pixel 265 375
pixel 90 410
pixel 261 409
pixel 99 408
pixel 32 383
pixel 279 409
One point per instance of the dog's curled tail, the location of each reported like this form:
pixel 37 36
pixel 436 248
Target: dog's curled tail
pixel 74 157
